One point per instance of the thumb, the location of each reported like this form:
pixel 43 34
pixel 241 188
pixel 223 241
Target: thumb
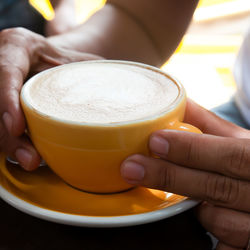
pixel 210 123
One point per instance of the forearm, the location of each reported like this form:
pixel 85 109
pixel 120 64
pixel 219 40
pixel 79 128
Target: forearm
pixel 64 19
pixel 102 35
pixel 144 30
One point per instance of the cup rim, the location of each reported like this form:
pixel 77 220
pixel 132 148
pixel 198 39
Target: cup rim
pixel 169 108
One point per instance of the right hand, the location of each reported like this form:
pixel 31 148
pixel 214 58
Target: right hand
pixel 22 54
pixel 212 167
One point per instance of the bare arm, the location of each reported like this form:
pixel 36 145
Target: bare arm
pixel 143 30
pixel 64 19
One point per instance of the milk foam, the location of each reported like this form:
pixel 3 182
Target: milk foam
pixel 101 92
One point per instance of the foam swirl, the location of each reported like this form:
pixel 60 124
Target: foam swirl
pixel 102 92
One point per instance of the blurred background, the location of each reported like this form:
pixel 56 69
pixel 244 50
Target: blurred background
pixel 205 59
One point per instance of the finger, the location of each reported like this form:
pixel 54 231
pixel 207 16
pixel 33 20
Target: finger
pixel 224 155
pixel 19 148
pixel 222 246
pixel 11 80
pixel 27 155
pixel 14 65
pixel 210 123
pixel 229 226
pixel 164 175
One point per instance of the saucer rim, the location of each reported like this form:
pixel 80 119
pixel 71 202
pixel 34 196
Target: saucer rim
pixel 95 221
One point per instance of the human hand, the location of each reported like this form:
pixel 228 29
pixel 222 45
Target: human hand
pixel 22 54
pixel 214 167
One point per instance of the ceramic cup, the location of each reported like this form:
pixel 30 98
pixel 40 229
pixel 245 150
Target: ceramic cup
pixel 88 156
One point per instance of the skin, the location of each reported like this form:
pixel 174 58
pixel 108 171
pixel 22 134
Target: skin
pixel 124 30
pixel 212 167
pixel 64 19
pixel 23 53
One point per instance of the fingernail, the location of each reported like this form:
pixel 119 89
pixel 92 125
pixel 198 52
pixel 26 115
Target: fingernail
pixel 132 172
pixel 159 145
pixel 24 157
pixel 7 119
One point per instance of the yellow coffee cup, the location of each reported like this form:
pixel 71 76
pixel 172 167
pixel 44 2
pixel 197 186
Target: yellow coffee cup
pixel 88 155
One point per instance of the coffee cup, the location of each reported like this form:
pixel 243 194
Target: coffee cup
pixel 85 118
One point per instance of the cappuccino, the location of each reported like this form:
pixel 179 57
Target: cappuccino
pixel 102 92
pixel 85 118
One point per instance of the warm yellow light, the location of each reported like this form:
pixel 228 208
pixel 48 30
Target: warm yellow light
pixel 205 3
pixel 44 7
pixel 222 8
pixel 206 44
pixel 85 8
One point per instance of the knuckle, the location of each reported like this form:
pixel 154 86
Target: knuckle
pixel 12 32
pixel 16 31
pixel 238 161
pixel 15 36
pixel 193 150
pixel 19 30
pixel 221 189
pixel 167 176
pixel 4 32
pixel 8 31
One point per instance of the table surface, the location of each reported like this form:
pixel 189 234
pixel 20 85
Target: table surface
pixel 19 231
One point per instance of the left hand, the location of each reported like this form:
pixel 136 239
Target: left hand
pixel 22 54
pixel 214 167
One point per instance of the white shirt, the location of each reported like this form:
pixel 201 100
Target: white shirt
pixel 242 78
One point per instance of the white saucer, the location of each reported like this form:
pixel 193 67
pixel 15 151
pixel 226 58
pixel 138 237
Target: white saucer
pixel 44 195
pixel 95 221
